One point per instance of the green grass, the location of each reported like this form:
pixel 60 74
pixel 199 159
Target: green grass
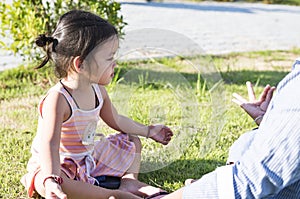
pixel 194 103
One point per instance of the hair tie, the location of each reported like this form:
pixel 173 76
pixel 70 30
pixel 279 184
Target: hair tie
pixel 42 40
pixel 45 41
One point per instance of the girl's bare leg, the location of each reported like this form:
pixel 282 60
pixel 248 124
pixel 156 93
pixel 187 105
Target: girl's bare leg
pixel 130 181
pixel 78 190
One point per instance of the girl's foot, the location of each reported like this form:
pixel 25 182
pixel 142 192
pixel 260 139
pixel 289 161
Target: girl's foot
pixel 139 188
pixel 189 181
pixel 158 195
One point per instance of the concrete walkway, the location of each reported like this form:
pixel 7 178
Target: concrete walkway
pixel 220 27
pixel 214 28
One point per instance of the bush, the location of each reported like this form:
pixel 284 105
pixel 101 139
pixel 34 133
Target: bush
pixel 23 20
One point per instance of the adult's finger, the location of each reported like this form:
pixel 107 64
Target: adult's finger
pixel 264 93
pixel 238 99
pixel 251 93
pixel 270 94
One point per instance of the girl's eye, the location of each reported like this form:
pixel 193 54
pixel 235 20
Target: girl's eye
pixel 115 56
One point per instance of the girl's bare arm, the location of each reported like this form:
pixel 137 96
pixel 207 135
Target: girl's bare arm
pixel 110 116
pixel 49 128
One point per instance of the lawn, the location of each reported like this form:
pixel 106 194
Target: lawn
pixel 191 95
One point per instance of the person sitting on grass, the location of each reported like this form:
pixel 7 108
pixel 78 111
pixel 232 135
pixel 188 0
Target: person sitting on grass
pixel 66 162
pixel 264 163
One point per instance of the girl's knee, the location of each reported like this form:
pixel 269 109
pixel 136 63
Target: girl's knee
pixel 137 142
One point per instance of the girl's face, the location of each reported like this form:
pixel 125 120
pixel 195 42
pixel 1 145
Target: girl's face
pixel 100 63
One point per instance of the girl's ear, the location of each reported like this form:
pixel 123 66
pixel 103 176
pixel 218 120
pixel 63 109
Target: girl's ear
pixel 77 63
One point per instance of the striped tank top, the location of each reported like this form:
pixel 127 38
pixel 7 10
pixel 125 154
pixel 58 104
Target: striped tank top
pixel 81 157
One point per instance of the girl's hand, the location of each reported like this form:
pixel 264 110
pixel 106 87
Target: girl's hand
pixel 53 190
pixel 255 107
pixel 160 133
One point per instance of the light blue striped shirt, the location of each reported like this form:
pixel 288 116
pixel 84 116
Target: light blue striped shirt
pixel 270 166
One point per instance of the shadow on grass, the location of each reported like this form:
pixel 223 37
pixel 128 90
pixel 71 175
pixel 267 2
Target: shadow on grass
pixel 35 83
pixel 231 77
pixel 261 77
pixel 179 171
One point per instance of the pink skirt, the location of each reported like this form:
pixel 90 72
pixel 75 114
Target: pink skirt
pixel 111 156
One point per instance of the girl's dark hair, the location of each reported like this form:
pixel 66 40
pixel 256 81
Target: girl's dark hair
pixel 77 34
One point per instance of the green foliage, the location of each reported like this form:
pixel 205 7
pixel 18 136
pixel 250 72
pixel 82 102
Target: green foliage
pixel 21 81
pixel 23 20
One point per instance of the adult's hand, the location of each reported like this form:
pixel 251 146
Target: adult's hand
pixel 256 108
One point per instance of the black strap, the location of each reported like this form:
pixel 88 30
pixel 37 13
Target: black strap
pixel 69 93
pixel 96 98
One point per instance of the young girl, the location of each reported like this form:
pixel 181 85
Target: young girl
pixel 66 161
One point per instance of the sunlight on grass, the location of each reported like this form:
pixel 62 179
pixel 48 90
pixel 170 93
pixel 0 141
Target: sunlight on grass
pixel 168 91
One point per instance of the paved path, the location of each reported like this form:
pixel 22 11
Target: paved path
pixel 215 27
pixel 220 27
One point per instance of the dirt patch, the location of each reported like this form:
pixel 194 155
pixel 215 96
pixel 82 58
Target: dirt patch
pixel 19 113
pixel 257 61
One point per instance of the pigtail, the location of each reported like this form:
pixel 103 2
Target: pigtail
pixel 48 44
